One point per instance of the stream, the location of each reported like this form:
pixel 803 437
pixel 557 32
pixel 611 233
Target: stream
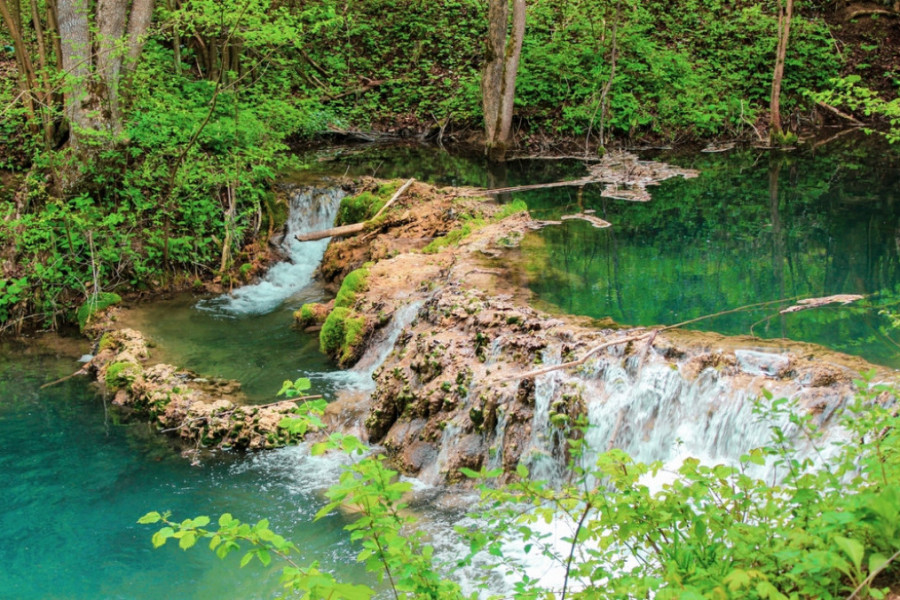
pixel 753 227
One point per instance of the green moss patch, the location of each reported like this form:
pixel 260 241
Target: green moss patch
pixel 94 305
pixel 121 374
pixel 514 207
pixel 342 335
pixel 364 206
pixel 354 282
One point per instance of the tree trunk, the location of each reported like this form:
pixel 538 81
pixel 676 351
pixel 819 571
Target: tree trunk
pixel 498 84
pixel 75 40
pixel 110 29
pixel 138 24
pixel 784 31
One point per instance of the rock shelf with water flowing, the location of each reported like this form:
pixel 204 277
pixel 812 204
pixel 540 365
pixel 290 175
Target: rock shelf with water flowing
pixel 446 396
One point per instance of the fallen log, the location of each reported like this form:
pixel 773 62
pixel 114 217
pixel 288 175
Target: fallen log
pixel 595 221
pixel 345 230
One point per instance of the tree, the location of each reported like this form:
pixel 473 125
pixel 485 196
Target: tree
pixel 91 51
pixel 503 49
pixel 94 70
pixel 785 13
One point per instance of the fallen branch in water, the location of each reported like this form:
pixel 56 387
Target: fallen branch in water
pixel 345 230
pixel 82 371
pixel 842 114
pixel 595 221
pixel 651 333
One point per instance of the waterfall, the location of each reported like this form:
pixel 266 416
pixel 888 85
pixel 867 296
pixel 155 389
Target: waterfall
pixel 377 350
pixel 311 209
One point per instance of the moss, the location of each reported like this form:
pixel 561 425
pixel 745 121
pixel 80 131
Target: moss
pixel 106 341
pixel 95 304
pixel 121 374
pixel 363 206
pixel 354 282
pixel 516 206
pixel 305 315
pixel 342 334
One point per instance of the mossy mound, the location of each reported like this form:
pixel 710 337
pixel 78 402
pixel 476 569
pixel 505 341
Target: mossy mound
pixel 342 335
pixel 364 206
pixel 354 283
pixel 312 313
pixel 95 304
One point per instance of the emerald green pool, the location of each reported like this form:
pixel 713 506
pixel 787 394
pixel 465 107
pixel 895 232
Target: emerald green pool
pixel 754 227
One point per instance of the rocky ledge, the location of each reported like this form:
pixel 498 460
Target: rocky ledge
pixel 474 379
pixel 200 412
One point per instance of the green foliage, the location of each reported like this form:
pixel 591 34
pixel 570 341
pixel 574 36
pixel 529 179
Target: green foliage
pixel 849 93
pixel 94 304
pixel 364 206
pixel 354 282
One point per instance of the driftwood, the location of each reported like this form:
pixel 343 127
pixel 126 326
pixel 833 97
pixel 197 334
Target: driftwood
pixel 345 230
pixel 817 302
pixel 626 178
pixel 841 114
pixel 82 371
pixel 595 221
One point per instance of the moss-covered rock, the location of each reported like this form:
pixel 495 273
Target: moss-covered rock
pixel 354 283
pixel 343 334
pixel 312 313
pixel 93 305
pixel 121 374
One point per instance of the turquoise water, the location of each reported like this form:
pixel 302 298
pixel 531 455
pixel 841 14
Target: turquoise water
pixel 260 351
pixel 75 482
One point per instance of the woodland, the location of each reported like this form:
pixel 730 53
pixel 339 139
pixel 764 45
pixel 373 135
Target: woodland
pixel 139 142
pixel 143 151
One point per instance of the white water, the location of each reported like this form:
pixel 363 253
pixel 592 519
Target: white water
pixel 360 376
pixel 312 209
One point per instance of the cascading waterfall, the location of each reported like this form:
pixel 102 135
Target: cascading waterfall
pixel 312 208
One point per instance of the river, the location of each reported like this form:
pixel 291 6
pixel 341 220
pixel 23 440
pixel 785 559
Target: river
pixel 753 227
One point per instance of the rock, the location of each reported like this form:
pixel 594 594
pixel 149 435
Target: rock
pixel 753 362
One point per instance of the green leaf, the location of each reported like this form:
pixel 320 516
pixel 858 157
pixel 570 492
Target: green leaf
pixel 245 560
pixel 160 537
pixel 150 517
pixel 187 540
pixel 852 548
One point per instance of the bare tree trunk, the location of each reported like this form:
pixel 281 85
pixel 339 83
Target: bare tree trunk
pixel 498 83
pixel 138 24
pixel 53 32
pixel 75 39
pixel 110 29
pixel 784 32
